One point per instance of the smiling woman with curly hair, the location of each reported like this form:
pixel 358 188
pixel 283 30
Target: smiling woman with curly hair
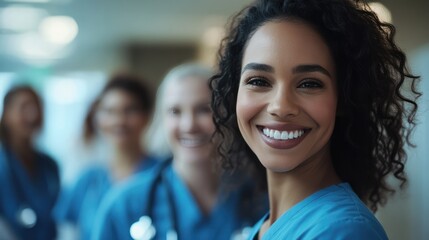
pixel 310 92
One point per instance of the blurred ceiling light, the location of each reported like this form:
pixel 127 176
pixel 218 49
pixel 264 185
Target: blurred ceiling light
pixel 60 30
pixel 382 11
pixel 31 48
pixel 17 18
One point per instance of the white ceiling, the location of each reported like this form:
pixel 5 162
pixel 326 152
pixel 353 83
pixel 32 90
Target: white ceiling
pixel 108 24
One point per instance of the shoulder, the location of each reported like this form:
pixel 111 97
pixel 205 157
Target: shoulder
pixel 341 214
pixel 131 194
pixel 123 205
pixel 348 228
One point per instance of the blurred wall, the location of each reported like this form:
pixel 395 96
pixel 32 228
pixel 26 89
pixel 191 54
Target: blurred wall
pixel 153 61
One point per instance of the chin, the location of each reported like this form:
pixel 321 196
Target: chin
pixel 195 157
pixel 280 164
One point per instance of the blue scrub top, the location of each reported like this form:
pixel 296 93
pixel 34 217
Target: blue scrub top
pixel 38 192
pixel 335 212
pixel 80 204
pixel 127 204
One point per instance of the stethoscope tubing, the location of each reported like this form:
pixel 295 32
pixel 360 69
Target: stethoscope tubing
pixel 159 181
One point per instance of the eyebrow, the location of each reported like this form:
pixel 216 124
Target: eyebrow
pixel 258 67
pixel 310 68
pixel 298 69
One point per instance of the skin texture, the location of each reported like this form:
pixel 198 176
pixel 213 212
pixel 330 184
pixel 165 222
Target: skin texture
pixel 288 83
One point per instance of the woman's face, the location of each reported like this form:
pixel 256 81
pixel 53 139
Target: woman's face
pixel 188 119
pixel 120 118
pixel 287 99
pixel 23 115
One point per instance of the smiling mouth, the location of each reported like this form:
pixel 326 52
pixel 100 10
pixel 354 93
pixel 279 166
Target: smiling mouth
pixel 283 135
pixel 283 139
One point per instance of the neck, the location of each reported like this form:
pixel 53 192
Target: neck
pixel 201 179
pixel 287 189
pixel 125 161
pixel 24 151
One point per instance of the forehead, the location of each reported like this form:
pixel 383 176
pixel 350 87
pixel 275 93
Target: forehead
pixel 117 96
pixel 186 90
pixel 23 97
pixel 285 42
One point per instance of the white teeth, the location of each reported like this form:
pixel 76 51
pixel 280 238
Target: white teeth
pixel 266 131
pixel 282 135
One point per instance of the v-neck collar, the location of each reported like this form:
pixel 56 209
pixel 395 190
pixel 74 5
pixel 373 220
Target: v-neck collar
pixel 289 215
pixel 187 203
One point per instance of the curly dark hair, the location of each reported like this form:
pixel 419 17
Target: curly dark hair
pixel 375 118
pixel 133 85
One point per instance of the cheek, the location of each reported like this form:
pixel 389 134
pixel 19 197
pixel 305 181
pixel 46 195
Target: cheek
pixel 137 122
pixel 170 126
pixel 324 112
pixel 15 119
pixel 207 123
pixel 103 123
pixel 245 107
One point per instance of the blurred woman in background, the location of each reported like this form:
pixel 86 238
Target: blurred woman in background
pixel 120 114
pixel 186 197
pixel 30 179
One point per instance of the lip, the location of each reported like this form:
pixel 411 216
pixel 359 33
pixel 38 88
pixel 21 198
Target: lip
pixel 193 142
pixel 283 144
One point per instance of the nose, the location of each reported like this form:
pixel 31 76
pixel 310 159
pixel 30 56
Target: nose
pixel 188 122
pixel 117 117
pixel 283 104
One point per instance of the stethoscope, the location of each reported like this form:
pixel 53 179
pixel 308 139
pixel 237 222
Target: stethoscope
pixel 144 228
pixel 25 215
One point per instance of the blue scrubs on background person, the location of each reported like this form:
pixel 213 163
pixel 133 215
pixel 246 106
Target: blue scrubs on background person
pixel 124 206
pixel 334 212
pixel 80 204
pixel 29 178
pixel 38 192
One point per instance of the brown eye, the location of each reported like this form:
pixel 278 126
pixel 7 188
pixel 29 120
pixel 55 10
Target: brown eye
pixel 258 82
pixel 310 84
pixel 174 111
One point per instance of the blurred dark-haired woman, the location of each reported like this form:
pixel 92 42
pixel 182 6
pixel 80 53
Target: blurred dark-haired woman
pixel 29 178
pixel 120 114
